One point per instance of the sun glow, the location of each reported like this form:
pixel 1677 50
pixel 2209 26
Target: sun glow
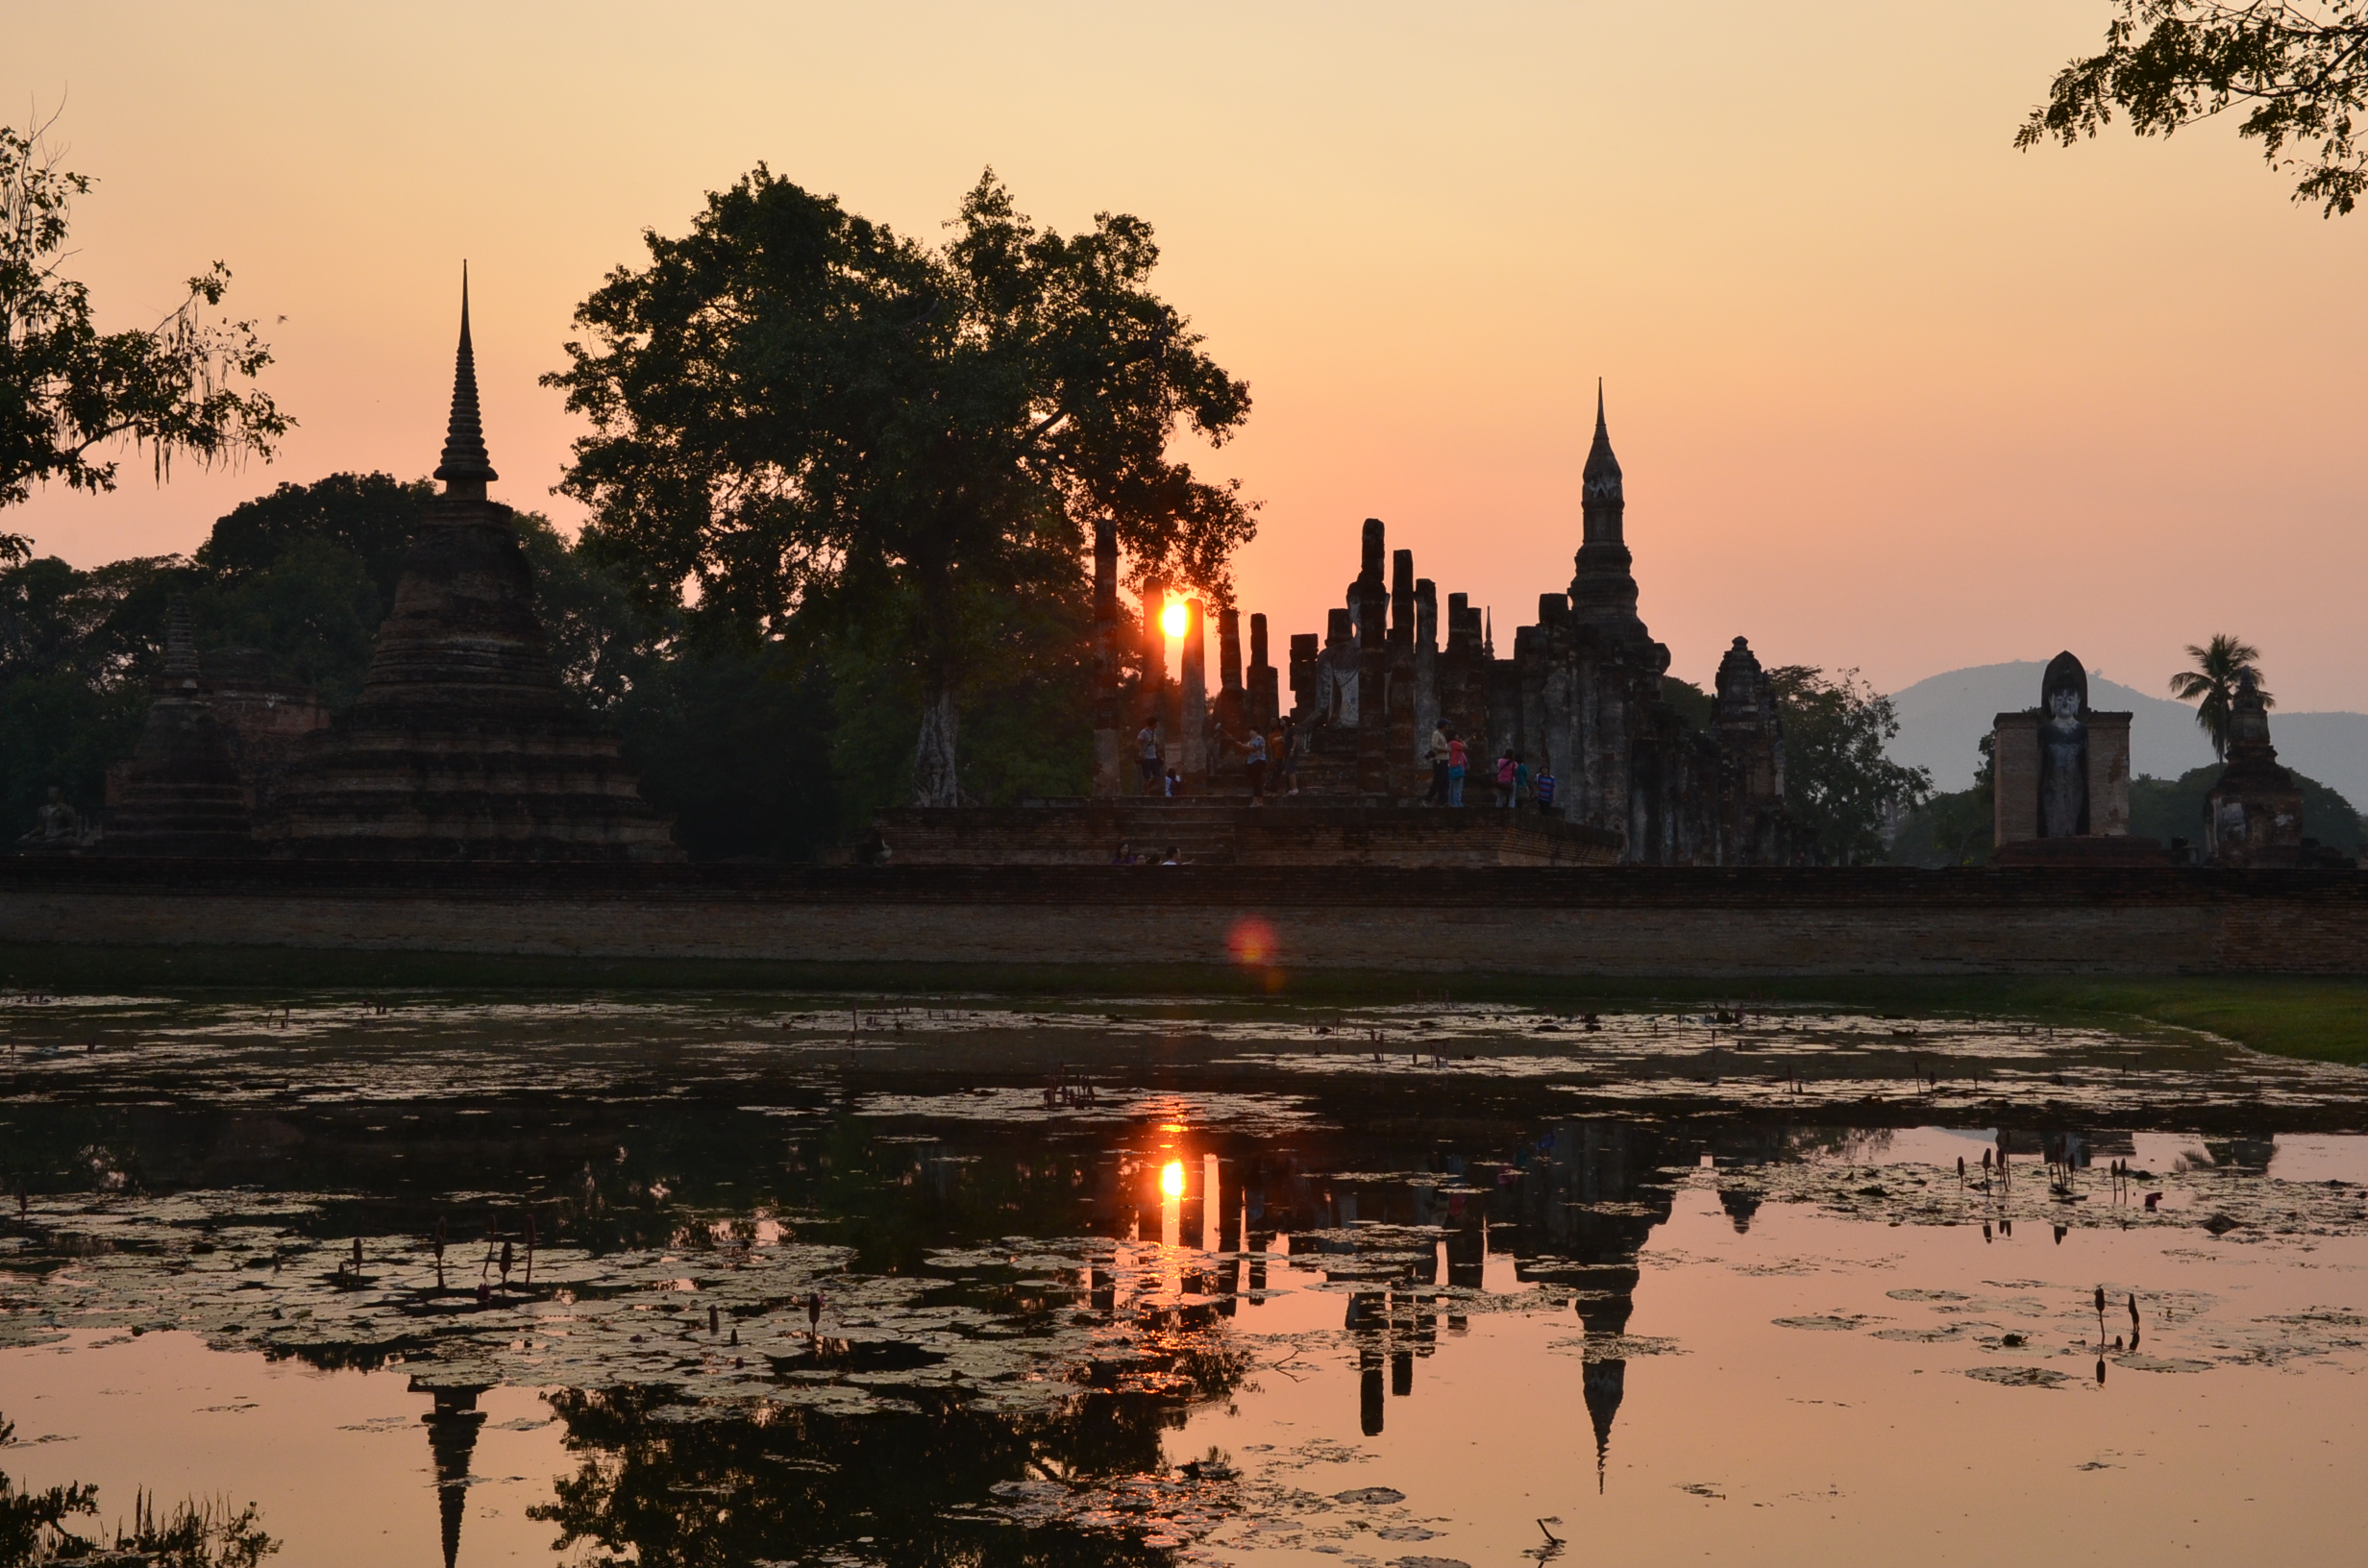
pixel 1174 618
pixel 1171 1178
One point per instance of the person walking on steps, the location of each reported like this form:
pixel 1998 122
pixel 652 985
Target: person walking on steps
pixel 1504 781
pixel 1255 764
pixel 1147 755
pixel 1457 755
pixel 1520 782
pixel 1436 754
pixel 1544 788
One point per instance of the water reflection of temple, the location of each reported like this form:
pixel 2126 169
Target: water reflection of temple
pixel 451 1439
pixel 1572 1208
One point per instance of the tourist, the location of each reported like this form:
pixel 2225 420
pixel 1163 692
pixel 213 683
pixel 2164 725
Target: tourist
pixel 1293 743
pixel 1436 754
pixel 1171 858
pixel 1256 766
pixel 872 850
pixel 1520 782
pixel 1544 786
pixel 1147 755
pixel 1504 780
pixel 1456 756
pixel 1174 783
pixel 1127 856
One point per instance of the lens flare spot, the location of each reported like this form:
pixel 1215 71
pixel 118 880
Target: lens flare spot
pixel 1174 620
pixel 1171 1178
pixel 1251 942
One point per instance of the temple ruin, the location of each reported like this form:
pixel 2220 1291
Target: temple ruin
pixel 2061 796
pixel 463 745
pixel 2254 814
pixel 1582 692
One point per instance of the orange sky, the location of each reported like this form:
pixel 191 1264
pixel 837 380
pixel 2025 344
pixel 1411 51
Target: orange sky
pixel 1887 393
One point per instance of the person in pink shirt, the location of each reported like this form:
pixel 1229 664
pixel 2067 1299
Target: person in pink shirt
pixel 1457 755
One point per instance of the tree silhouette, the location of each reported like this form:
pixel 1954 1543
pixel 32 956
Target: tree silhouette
pixel 818 420
pixel 2301 74
pixel 2212 683
pixel 67 390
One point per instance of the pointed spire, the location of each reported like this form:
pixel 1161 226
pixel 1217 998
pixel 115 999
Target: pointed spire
pixel 1599 480
pixel 180 645
pixel 465 468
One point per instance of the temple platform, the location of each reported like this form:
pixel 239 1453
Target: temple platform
pixel 1219 832
pixel 2088 850
pixel 1094 925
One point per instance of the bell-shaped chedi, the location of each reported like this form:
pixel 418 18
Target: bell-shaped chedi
pixel 2254 814
pixel 183 793
pixel 464 746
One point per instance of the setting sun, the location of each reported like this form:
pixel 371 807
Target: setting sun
pixel 1171 1178
pixel 1174 618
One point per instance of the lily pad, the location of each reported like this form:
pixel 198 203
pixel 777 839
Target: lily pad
pixel 2018 1377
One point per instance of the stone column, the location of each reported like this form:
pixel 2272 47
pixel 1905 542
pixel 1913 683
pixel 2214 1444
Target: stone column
pixel 2015 754
pixel 1305 702
pixel 1229 694
pixel 1151 696
pixel 2109 774
pixel 1192 717
pixel 1265 700
pixel 1426 664
pixel 1373 693
pixel 1110 729
pixel 1407 773
pixel 1368 604
pixel 1337 691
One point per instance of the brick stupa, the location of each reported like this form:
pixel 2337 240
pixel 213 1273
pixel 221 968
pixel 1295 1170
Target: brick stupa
pixel 181 794
pixel 463 745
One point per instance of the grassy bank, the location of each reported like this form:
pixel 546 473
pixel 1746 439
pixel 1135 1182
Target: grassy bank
pixel 2317 1017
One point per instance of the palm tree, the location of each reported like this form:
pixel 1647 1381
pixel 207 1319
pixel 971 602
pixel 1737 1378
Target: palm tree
pixel 2219 665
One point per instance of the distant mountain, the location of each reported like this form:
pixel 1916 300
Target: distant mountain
pixel 1943 718
pixel 2332 747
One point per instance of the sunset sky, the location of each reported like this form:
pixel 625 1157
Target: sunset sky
pixel 1888 394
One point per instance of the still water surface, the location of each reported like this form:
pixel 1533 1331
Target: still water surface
pixel 1117 1281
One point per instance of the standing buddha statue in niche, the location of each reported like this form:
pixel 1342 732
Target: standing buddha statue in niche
pixel 2064 750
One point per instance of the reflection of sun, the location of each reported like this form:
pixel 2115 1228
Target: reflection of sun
pixel 1173 619
pixel 1171 1178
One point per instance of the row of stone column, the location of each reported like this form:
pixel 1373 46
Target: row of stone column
pixel 1197 735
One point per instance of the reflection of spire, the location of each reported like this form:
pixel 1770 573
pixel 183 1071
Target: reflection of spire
pixel 1603 1385
pixel 1740 1205
pixel 452 1437
pixel 465 462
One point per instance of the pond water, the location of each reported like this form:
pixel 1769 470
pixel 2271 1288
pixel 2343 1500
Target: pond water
pixel 754 1278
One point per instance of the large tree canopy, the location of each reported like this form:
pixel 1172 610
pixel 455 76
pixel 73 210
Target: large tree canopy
pixel 807 414
pixel 2299 71
pixel 1842 792
pixel 69 390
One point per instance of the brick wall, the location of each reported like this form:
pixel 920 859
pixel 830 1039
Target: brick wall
pixel 1606 920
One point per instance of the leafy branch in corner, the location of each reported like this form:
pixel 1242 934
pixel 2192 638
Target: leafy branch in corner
pixel 69 390
pixel 2299 73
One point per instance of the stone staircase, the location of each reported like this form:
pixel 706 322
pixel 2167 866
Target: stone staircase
pixel 1199 827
